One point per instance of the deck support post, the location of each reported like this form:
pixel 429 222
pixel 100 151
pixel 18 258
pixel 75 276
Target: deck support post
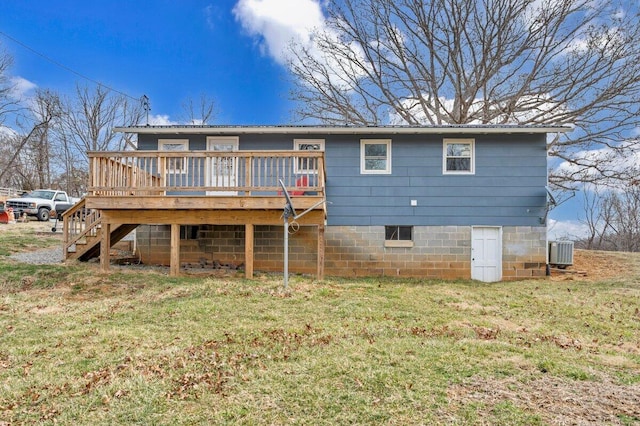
pixel 321 244
pixel 174 265
pixel 248 250
pixel 105 246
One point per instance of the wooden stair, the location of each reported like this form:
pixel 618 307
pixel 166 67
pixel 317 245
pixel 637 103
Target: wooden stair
pixel 90 247
pixel 83 232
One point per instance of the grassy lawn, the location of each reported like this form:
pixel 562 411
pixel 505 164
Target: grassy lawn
pixel 139 347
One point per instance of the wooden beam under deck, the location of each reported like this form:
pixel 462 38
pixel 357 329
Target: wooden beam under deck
pixel 206 217
pixel 164 202
pixel 175 218
pixel 248 250
pixel 105 246
pixel 174 263
pixel 321 246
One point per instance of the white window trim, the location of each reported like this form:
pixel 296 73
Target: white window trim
pixel 444 157
pixel 296 147
pixel 363 143
pixel 398 243
pixel 233 140
pixel 183 142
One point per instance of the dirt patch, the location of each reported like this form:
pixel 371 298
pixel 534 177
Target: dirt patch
pixel 555 400
pixel 599 265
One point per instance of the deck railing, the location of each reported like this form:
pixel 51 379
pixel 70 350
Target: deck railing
pixel 172 173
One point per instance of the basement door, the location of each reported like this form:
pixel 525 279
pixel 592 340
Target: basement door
pixel 486 253
pixel 222 171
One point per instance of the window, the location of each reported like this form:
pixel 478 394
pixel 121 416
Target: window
pixel 398 233
pixel 189 232
pixel 375 156
pixel 307 165
pixel 398 236
pixel 174 164
pixel 458 156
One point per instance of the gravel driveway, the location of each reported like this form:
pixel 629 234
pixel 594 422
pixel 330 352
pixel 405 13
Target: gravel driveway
pixel 48 256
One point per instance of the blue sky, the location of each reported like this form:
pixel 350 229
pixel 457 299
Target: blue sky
pixel 170 51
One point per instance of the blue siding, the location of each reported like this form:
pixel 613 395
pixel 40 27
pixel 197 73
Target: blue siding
pixel 508 187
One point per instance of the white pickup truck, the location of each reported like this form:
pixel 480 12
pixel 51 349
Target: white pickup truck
pixel 40 203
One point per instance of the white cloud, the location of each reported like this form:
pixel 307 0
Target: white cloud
pixel 209 16
pixel 279 22
pixel 284 26
pixel 161 120
pixel 623 161
pixel 21 88
pixel 165 120
pixel 7 132
pixel 565 230
pixel 528 109
pixel 608 41
pixel 212 15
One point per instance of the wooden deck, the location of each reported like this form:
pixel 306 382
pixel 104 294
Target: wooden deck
pixel 128 189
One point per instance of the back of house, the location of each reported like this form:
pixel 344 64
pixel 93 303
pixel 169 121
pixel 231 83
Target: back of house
pixel 438 202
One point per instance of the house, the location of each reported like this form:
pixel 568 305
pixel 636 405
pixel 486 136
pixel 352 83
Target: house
pixel 436 201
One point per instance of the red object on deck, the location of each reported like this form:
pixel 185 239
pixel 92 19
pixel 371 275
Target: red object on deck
pixel 301 181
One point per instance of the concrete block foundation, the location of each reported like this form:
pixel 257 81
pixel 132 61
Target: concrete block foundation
pixel 442 252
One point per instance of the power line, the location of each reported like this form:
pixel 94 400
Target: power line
pixel 66 68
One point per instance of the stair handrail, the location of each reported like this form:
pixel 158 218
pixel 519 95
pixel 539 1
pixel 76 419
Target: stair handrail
pixel 78 223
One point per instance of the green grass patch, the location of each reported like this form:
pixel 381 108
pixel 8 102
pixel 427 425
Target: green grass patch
pixel 17 240
pixel 81 347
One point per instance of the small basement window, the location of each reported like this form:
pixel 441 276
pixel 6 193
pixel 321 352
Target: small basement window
pixel 398 236
pixel 189 232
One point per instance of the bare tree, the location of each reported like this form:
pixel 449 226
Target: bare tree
pixel 12 172
pixel 47 110
pixel 613 220
pixel 563 62
pixel 623 224
pixel 200 111
pixel 90 117
pixel 7 103
pixel 31 156
pixel 74 176
pixel 592 220
pixel 19 170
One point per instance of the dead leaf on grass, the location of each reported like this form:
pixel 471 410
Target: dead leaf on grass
pixel 486 333
pixel 95 378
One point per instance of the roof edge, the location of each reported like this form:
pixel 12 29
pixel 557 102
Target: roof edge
pixel 447 129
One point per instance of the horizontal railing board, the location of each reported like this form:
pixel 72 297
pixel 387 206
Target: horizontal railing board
pixel 242 173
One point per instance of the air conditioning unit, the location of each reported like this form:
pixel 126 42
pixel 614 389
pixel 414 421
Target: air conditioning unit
pixel 561 253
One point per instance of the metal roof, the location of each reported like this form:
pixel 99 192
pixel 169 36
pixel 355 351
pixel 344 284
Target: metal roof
pixel 378 130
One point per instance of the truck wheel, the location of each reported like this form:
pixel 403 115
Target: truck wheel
pixel 43 215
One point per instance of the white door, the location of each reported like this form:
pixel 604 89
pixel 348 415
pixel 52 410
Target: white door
pixel 222 171
pixel 486 253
